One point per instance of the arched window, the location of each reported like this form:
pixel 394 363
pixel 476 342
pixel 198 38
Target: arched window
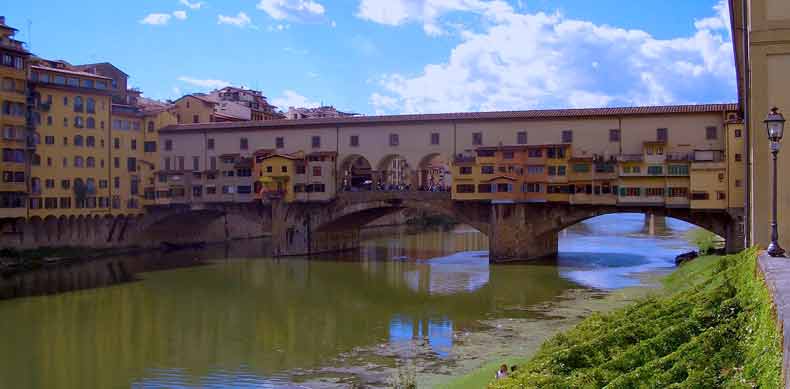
pixel 35 185
pixel 78 161
pixel 90 186
pixel 90 123
pixel 78 104
pixel 36 160
pixel 90 162
pixel 77 140
pixel 150 126
pixel 78 122
pixel 90 105
pixel 90 141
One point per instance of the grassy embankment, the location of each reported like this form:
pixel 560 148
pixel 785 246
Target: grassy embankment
pixel 713 327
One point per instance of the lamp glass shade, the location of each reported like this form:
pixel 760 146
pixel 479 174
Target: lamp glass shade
pixel 775 124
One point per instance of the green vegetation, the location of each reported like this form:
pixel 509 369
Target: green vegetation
pixel 705 240
pixel 714 328
pixel 33 258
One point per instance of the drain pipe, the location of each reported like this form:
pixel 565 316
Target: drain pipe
pixel 747 207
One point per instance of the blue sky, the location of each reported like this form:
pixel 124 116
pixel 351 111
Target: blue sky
pixel 402 56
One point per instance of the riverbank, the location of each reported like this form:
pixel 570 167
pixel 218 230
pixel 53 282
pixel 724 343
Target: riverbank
pixel 712 327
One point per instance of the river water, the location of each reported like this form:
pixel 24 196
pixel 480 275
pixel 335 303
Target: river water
pixel 240 319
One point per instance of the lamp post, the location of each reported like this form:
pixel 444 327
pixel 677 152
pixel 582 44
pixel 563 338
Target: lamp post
pixel 775 124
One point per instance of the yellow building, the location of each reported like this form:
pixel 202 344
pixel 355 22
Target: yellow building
pixel 155 117
pixel 557 160
pixel 69 172
pixel 709 180
pixel 15 162
pixel 735 163
pixel 195 108
pixel 275 173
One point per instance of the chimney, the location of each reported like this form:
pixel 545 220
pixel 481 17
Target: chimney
pixel 2 20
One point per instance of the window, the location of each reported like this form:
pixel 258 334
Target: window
pixel 90 162
pixel 77 103
pixel 134 144
pixel 531 187
pixel 116 143
pixel 655 170
pixel 195 118
pixel 711 133
pixel 567 136
pixel 435 138
pixel 662 134
pixel 90 122
pixel 168 145
pixel 614 135
pixel 49 120
pixel 116 163
pixel 353 141
pixel 679 192
pixel 557 170
pixel 738 183
pixel 484 188
pixel 504 188
pixel 167 163
pixel 49 140
pixel 49 183
pixel 487 169
pixel 243 144
pixel 700 195
pixel 269 169
pixel 195 163
pixel 78 161
pixel 535 153
pixel 116 182
pixel 149 147
pixel 630 192
pixel 678 170
pixel 244 189
pixel 477 138
pixel 227 189
pixel 721 177
pixel 210 143
pixel 213 163
pixel 465 170
pixel 738 133
pixel 394 140
pixel 738 157
pixel 180 163
pixel 508 155
pixel 150 126
pixel 581 168
pixel 90 105
pixel 654 192
pixel 316 142
pixel 65 122
pixel 521 137
pixel 316 171
pixel 556 152
pixel 465 188
pixel 535 169
pixel 65 202
pixel 279 142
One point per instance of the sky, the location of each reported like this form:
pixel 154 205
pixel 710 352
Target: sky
pixel 401 56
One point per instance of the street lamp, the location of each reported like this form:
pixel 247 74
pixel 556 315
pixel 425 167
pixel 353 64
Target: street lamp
pixel 775 124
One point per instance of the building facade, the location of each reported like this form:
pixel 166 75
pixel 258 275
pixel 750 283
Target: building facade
pixel 17 150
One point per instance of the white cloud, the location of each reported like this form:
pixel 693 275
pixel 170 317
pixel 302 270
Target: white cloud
pixel 427 12
pixel 521 61
pixel 156 19
pixel 333 24
pixel 241 20
pixel 279 27
pixel 190 5
pixel 291 50
pixel 290 98
pixel 204 83
pixel 718 22
pixel 180 15
pixel 292 9
pixel 177 92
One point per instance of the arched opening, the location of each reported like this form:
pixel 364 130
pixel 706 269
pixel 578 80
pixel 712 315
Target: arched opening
pixel 395 174
pixel 608 251
pixel 434 173
pixel 356 174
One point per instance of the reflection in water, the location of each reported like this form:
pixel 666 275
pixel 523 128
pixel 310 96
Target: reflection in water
pixel 260 322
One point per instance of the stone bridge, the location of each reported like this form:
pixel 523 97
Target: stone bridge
pixel 515 230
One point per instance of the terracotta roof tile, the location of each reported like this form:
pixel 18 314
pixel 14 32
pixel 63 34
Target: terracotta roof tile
pixel 459 116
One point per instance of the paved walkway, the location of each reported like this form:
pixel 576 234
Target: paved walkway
pixel 777 276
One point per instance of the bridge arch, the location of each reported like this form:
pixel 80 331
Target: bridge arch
pixel 395 171
pixel 356 173
pixel 434 172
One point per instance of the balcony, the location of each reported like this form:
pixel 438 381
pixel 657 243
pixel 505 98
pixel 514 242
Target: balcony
pixel 679 156
pixel 631 158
